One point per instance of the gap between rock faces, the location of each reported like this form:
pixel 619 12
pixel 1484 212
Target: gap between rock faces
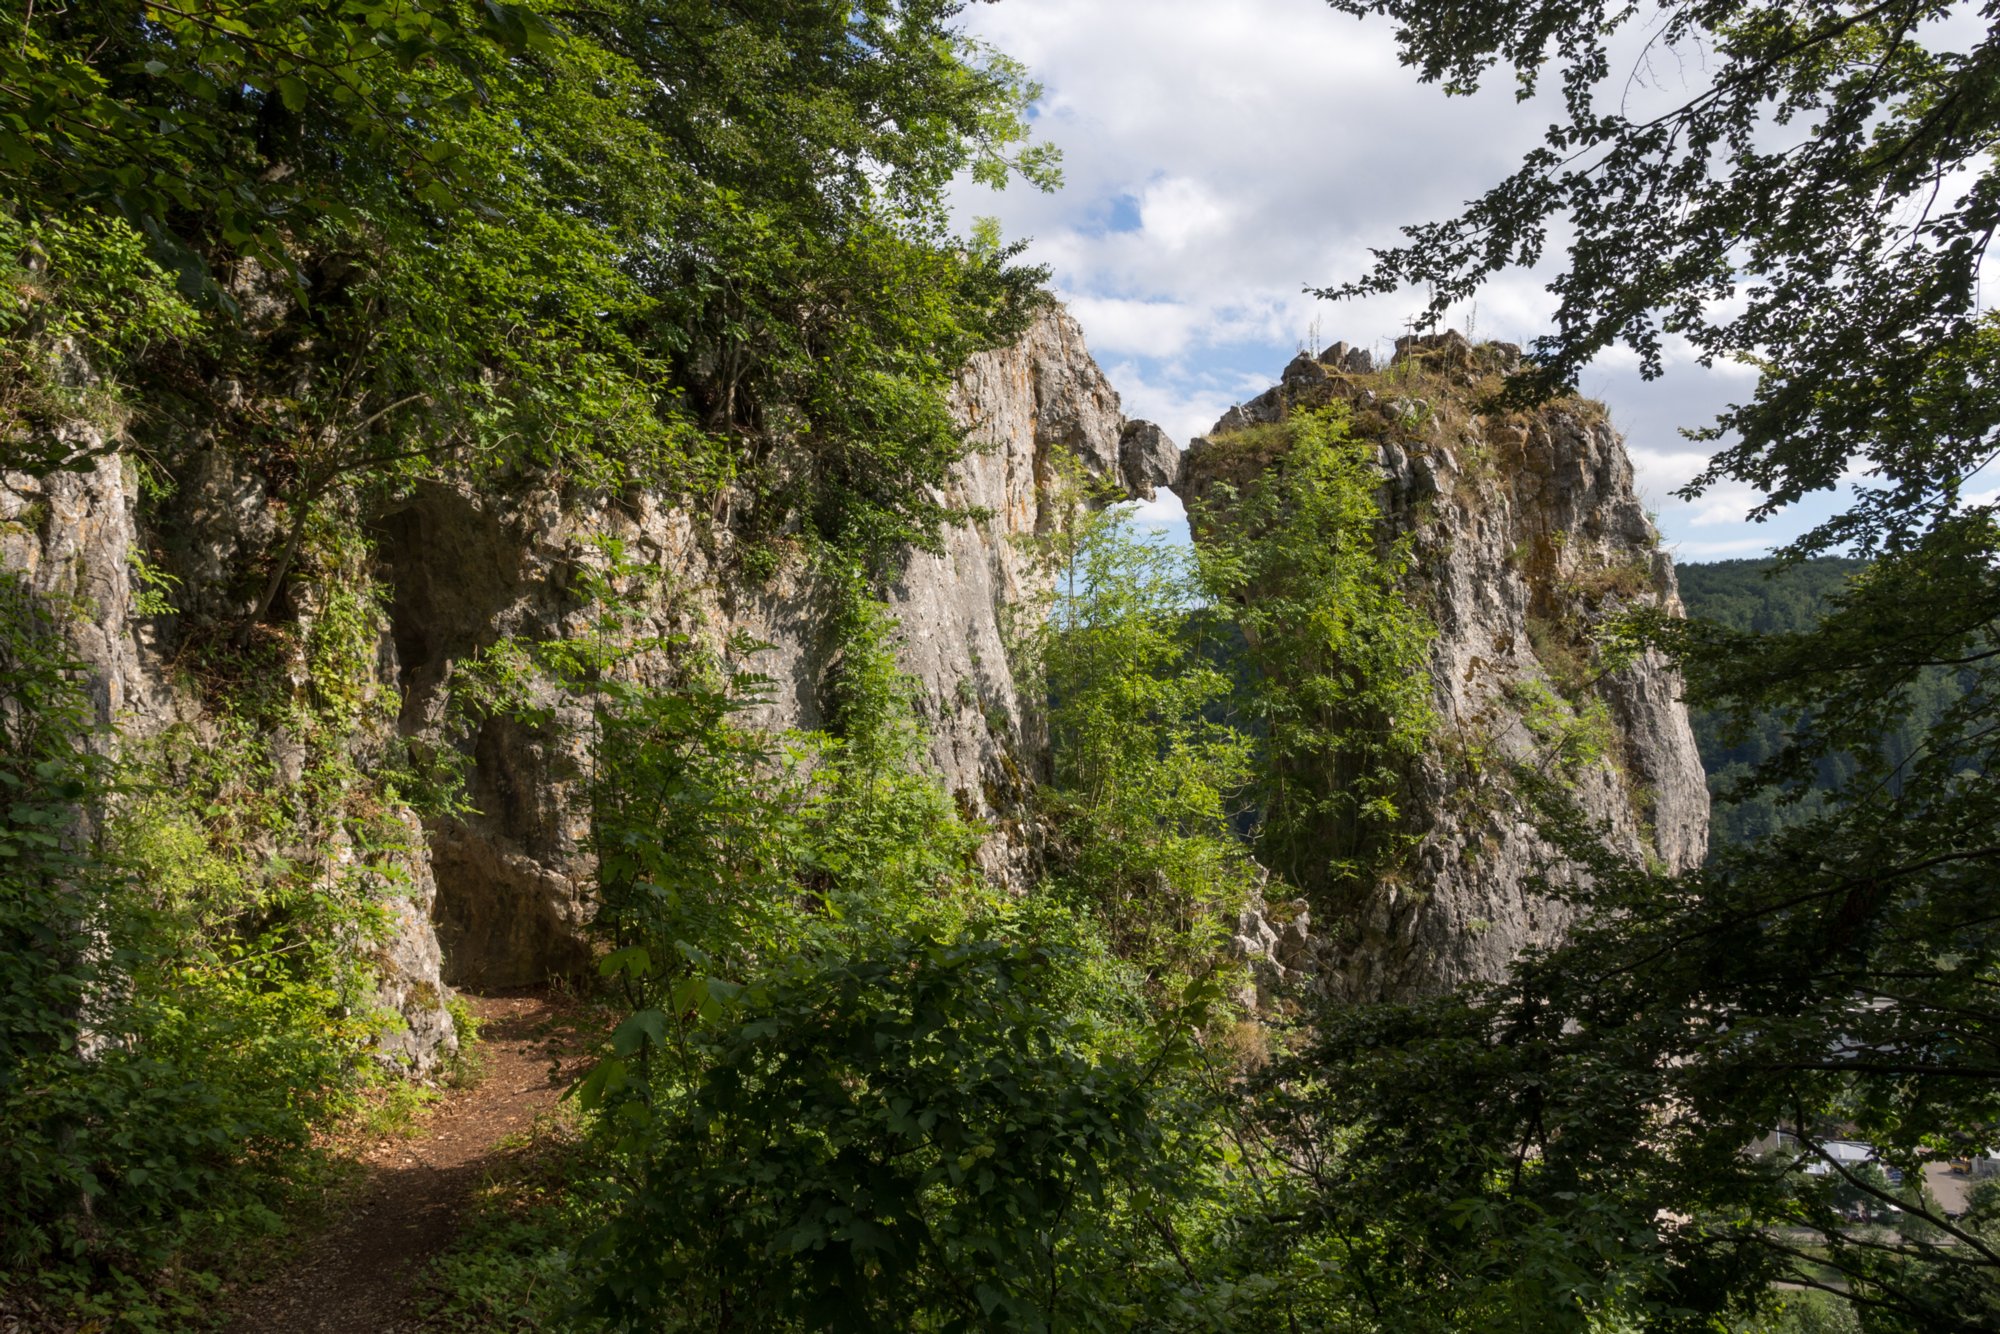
pixel 359 1274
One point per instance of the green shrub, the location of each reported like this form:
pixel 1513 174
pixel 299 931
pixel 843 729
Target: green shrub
pixel 185 951
pixel 80 302
pixel 159 1067
pixel 1562 652
pixel 1149 767
pixel 922 1132
pixel 852 1072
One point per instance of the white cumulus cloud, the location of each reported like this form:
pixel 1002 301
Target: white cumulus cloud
pixel 1221 158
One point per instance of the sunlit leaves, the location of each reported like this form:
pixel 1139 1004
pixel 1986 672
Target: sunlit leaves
pixel 922 1131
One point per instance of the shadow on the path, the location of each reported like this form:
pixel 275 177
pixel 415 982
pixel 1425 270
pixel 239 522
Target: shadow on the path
pixel 357 1276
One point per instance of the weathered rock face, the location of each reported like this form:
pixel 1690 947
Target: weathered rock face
pixel 69 536
pixel 1528 535
pixel 1527 528
pixel 498 897
pixel 1147 458
pixel 73 538
pixel 469 567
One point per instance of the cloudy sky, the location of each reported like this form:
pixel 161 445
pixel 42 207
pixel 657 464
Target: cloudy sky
pixel 1219 155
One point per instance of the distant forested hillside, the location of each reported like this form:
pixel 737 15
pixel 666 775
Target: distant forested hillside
pixel 1746 595
pixel 1752 595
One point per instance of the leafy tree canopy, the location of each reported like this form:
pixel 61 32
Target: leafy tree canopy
pixel 684 243
pixel 1817 201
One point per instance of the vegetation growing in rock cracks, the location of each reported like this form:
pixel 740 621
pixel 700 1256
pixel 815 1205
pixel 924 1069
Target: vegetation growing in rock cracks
pixel 1336 646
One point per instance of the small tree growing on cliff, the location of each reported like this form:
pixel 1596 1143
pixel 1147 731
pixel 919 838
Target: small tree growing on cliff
pixel 1337 655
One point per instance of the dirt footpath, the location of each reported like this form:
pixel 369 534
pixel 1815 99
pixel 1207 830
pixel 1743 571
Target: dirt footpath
pixel 358 1276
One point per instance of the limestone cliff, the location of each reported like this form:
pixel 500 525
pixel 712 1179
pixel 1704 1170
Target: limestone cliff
pixel 75 540
pixel 497 896
pixel 1527 527
pixel 467 567
pixel 1528 535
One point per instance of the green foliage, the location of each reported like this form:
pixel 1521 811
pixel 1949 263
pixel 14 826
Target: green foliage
pixel 153 593
pixel 169 1040
pixel 1806 1313
pixel 1148 774
pixel 1426 1212
pixel 178 114
pixel 865 1086
pixel 884 828
pixel 1336 651
pixel 1569 737
pixel 717 845
pixel 1763 597
pixel 50 896
pixel 1626 579
pixel 1833 981
pixel 198 1002
pixel 1562 652
pixel 349 247
pixel 924 1133
pixel 720 857
pixel 690 246
pixel 700 249
pixel 513 1267
pixel 80 303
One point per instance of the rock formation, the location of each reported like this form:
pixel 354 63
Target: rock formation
pixel 74 539
pixel 466 568
pixel 1526 524
pixel 1528 536
pixel 497 897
